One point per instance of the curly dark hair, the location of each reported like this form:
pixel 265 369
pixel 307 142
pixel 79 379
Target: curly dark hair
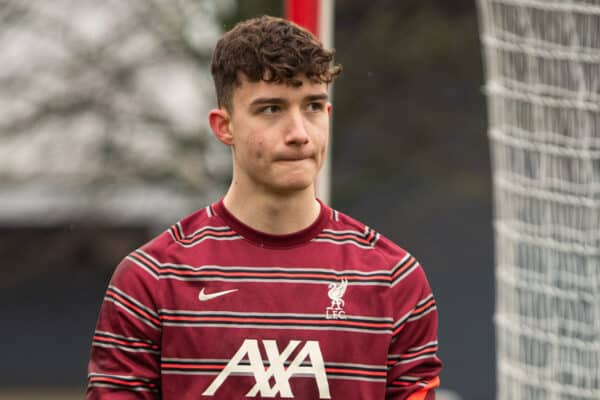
pixel 272 50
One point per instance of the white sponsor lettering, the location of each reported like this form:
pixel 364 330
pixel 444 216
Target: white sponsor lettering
pixel 277 370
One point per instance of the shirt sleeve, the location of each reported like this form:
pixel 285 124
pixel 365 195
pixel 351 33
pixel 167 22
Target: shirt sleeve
pixel 413 364
pixel 125 356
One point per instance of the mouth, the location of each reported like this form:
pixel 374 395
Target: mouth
pixel 293 158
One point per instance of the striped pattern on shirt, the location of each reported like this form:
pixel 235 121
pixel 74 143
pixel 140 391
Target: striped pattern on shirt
pixel 214 309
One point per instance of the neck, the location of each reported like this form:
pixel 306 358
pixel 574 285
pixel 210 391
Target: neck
pixel 273 213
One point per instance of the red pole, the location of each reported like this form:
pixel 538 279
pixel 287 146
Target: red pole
pixel 305 13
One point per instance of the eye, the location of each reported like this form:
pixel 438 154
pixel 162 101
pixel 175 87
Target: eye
pixel 315 107
pixel 272 109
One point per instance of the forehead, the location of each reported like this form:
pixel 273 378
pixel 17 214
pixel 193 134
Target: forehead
pixel 247 91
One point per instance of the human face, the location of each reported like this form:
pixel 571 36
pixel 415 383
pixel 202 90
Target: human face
pixel 279 135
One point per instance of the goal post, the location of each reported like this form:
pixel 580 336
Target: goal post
pixel 542 63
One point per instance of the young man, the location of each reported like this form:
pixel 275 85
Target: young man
pixel 268 293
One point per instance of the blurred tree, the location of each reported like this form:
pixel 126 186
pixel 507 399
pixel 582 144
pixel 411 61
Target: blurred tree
pixel 102 97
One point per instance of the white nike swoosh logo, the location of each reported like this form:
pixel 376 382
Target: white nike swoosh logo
pixel 204 296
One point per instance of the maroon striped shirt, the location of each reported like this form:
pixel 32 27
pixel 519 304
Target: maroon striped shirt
pixel 214 309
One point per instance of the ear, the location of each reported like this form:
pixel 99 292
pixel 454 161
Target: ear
pixel 219 121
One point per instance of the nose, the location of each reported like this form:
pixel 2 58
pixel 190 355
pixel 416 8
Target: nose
pixel 296 134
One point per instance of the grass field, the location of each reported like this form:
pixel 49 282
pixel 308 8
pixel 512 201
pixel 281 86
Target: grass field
pixel 41 394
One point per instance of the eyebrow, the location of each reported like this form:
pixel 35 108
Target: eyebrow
pixel 315 97
pixel 267 100
pixel 280 100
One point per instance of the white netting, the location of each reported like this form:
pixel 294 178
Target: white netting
pixel 543 83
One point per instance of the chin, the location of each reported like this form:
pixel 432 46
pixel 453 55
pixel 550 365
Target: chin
pixel 298 186
pixel 291 186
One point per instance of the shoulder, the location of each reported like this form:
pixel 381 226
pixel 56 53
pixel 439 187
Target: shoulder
pixel 407 295
pixel 378 250
pixel 346 228
pixel 191 230
pixel 177 241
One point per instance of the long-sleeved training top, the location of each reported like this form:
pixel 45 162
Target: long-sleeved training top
pixel 213 309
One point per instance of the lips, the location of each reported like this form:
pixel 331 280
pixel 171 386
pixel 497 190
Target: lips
pixel 293 158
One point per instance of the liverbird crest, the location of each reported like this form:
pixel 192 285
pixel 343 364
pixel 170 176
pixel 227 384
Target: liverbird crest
pixel 335 293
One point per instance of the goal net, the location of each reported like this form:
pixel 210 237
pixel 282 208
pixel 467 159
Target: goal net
pixel 542 61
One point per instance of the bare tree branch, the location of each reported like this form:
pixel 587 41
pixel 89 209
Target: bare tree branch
pixel 69 74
